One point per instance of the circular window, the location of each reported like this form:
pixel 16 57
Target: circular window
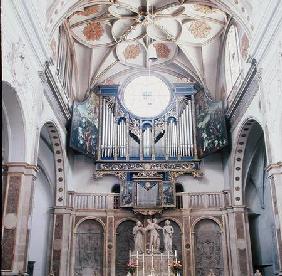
pixel 146 96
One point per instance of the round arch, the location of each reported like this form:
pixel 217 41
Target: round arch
pixel 15 124
pixel 239 153
pixel 58 151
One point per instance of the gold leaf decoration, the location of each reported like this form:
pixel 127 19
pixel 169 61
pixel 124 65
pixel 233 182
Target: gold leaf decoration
pixel 131 51
pixel 199 29
pixel 93 31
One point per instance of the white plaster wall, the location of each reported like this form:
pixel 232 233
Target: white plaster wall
pixel 213 179
pixel 82 177
pixel 40 224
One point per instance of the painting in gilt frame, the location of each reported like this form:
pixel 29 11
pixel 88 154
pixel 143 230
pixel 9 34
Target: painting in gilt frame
pixel 84 126
pixel 210 125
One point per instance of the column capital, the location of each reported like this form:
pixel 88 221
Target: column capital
pixel 274 168
pixel 20 168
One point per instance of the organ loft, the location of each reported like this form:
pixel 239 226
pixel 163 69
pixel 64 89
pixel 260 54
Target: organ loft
pixel 141 138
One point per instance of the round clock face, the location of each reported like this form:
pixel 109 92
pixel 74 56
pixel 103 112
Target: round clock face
pixel 146 96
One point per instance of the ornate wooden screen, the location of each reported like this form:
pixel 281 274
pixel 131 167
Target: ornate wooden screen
pixel 89 249
pixel 208 248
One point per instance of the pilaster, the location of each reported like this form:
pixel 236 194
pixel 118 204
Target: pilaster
pixel 16 212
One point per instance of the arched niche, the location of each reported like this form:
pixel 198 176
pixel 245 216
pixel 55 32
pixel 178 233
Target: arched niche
pixel 89 248
pixel 208 249
pixel 176 238
pixel 14 128
pixel 124 243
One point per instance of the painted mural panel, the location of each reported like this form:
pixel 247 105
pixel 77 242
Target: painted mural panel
pixel 84 127
pixel 210 125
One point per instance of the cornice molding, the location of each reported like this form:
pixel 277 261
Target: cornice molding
pixel 20 168
pixel 243 95
pixel 53 92
pixel 275 168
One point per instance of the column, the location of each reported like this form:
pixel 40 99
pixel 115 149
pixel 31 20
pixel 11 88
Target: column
pixel 17 208
pixel 275 175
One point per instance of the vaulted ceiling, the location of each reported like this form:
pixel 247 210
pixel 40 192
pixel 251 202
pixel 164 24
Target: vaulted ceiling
pixel 114 39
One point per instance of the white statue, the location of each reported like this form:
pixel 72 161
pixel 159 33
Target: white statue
pixel 167 232
pixel 154 243
pixel 257 273
pixel 138 232
pixel 211 273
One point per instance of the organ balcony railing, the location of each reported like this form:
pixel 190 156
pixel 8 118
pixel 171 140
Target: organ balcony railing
pixel 184 200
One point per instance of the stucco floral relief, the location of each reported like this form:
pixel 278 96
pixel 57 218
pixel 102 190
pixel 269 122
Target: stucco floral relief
pixel 93 31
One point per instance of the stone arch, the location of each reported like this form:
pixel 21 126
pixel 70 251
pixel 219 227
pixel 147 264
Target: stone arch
pixel 207 247
pixel 89 218
pixel 89 243
pixel 15 124
pixel 239 153
pixel 59 159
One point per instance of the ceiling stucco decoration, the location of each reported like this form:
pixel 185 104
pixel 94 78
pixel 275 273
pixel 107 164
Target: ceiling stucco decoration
pixel 131 51
pixel 199 29
pixel 115 37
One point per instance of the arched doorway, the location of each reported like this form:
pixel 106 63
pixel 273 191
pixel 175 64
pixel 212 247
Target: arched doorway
pixel 89 248
pixel 258 200
pixel 208 250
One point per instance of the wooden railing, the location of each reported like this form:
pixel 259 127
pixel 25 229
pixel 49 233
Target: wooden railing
pixel 202 200
pixel 93 200
pixel 210 200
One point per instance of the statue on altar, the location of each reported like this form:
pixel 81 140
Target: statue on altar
pixel 167 233
pixel 154 240
pixel 211 273
pixel 257 273
pixel 138 232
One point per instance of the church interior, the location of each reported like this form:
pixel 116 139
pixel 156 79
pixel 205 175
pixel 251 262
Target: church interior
pixel 141 137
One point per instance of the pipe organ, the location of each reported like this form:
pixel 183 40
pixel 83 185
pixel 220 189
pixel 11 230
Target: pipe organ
pixel 170 136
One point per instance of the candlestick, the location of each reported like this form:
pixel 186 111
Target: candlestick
pixel 152 258
pixel 175 252
pixel 161 264
pixel 130 257
pixel 143 264
pixel 137 263
pixel 168 267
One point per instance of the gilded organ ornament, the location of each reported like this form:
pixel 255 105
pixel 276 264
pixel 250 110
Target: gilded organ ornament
pixel 199 29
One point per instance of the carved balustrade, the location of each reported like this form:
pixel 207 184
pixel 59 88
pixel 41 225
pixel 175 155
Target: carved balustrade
pixel 93 200
pixel 210 200
pixel 184 200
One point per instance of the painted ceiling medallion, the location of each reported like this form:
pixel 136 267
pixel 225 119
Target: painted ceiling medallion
pixel 199 29
pixel 131 51
pixel 204 9
pixel 93 31
pixel 89 10
pixel 162 50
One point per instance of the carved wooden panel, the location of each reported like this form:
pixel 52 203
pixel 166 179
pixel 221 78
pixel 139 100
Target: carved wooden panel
pixel 208 248
pixel 89 249
pixel 124 243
